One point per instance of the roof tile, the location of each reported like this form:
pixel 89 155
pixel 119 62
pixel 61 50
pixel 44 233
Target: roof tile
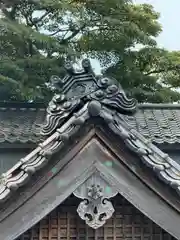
pixel 166 168
pixel 159 123
pixel 21 124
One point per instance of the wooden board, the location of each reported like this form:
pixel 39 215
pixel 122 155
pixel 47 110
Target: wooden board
pixel 92 157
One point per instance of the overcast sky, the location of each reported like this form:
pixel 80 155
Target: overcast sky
pixel 169 10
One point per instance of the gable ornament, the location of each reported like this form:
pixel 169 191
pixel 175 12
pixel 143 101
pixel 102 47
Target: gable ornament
pixel 96 206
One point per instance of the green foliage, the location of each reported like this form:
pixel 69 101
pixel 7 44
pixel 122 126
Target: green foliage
pixel 38 36
pixel 149 74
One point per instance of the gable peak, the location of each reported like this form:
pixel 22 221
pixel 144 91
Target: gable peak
pixel 81 88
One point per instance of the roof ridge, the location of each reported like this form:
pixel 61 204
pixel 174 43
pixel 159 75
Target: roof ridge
pixel 158 105
pixel 13 104
pixel 164 166
pixel 24 104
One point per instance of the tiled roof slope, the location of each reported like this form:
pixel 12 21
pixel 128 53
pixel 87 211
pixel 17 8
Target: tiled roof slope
pixel 165 168
pixel 159 122
pixel 20 122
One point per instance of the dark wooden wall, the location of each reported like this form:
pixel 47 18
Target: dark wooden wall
pixel 127 224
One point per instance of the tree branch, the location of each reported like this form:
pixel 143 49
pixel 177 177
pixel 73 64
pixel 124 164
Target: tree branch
pixel 33 23
pixel 9 14
pixel 42 17
pixel 176 68
pixel 73 34
pixel 59 30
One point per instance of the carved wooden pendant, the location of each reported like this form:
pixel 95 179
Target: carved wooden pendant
pixel 96 207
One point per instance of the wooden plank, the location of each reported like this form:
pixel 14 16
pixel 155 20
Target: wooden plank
pixel 35 185
pixel 93 156
pixel 124 155
pixel 130 187
pixel 51 195
pixel 136 225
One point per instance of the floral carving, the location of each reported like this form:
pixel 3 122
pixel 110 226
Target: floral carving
pixel 96 207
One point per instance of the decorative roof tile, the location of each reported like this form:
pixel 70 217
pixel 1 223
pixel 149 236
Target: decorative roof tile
pixel 165 167
pixel 159 123
pixel 67 114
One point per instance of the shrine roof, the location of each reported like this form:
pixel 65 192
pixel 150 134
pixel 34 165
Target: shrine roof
pixel 165 167
pixel 99 105
pixel 21 122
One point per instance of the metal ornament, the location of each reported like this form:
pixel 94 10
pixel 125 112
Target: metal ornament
pixel 96 207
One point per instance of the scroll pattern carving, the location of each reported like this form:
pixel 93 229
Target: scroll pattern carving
pixel 96 207
pixel 77 89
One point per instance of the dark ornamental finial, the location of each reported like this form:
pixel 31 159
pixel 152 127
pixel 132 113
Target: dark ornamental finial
pixel 78 89
pixel 69 68
pixel 56 82
pixel 86 64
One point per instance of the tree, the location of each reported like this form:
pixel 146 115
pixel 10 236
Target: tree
pixel 145 71
pixel 149 74
pixel 38 36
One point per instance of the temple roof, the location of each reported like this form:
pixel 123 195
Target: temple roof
pixel 21 122
pixel 84 100
pixel 87 123
pixel 165 167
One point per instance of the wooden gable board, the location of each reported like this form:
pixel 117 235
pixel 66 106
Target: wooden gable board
pixel 137 165
pixel 85 162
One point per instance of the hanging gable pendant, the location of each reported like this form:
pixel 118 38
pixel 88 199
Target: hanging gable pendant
pixel 96 207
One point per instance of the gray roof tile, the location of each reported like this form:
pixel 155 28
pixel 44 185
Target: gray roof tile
pixel 165 167
pixel 157 122
pixel 21 124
